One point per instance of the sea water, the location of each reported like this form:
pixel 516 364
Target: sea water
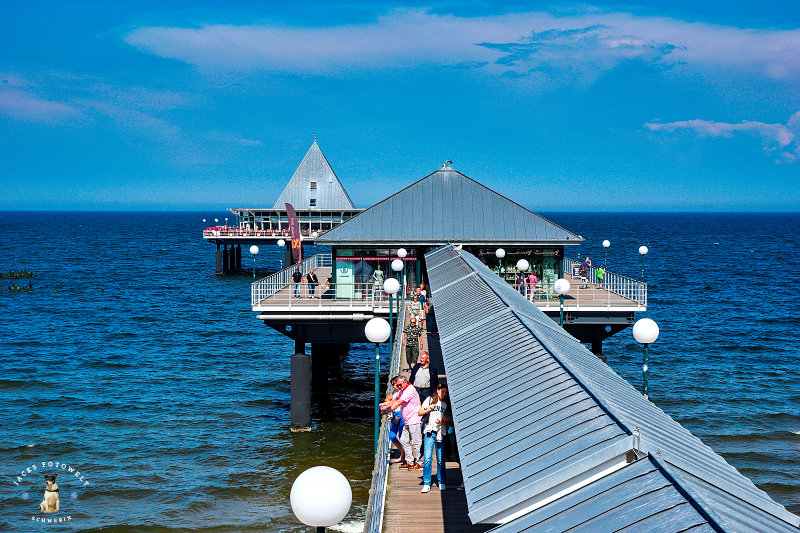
pixel 134 365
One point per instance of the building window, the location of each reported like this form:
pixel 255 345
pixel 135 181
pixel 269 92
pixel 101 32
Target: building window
pixel 313 202
pixel 313 185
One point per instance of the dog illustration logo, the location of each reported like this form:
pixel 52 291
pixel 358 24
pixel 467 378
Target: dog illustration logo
pixel 50 502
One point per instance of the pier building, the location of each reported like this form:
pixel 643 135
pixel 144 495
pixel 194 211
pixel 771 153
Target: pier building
pixel 443 207
pixel 320 202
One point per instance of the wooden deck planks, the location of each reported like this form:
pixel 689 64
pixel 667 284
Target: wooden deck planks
pixel 407 509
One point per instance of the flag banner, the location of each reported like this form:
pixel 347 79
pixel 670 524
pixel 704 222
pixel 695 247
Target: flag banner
pixel 294 227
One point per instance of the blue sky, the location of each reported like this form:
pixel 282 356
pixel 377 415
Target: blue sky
pixel 664 106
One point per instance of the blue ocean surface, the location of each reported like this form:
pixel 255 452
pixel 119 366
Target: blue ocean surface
pixel 135 365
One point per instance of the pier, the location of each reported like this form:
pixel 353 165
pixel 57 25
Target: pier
pixel 549 437
pixel 318 198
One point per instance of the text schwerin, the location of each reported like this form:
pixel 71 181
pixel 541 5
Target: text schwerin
pixel 49 465
pixel 59 520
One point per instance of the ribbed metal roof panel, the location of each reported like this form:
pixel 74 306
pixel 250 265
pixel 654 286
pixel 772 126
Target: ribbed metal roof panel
pixel 533 408
pixel 447 206
pixel 638 495
pixel 329 192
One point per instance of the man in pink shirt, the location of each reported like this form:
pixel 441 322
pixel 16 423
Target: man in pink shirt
pixel 407 399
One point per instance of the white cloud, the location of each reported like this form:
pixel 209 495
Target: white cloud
pixel 518 43
pixel 25 105
pixel 231 138
pixel 780 138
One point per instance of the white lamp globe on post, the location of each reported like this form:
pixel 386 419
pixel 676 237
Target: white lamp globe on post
pixel 643 252
pixel 402 253
pixel 606 244
pixel 500 254
pixel 645 331
pixel 391 286
pixel 321 497
pixel 281 244
pixel 377 330
pixel 397 266
pixel 254 253
pixel 561 286
pixel 314 235
pixel 522 266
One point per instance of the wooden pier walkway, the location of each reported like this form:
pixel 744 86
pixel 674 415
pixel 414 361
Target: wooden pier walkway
pixel 406 508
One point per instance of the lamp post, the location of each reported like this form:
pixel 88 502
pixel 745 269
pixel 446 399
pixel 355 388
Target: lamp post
pixel 645 331
pixel 500 254
pixel 321 497
pixel 561 286
pixel 281 244
pixel 402 253
pixel 254 253
pixel 391 286
pixel 606 244
pixel 522 266
pixel 643 252
pixel 397 266
pixel 377 330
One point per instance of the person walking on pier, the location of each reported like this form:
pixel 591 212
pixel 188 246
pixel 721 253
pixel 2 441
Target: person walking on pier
pixel 297 278
pixel 411 438
pixel 416 310
pixel 436 408
pixel 532 281
pixel 601 274
pixel 411 335
pixel 424 376
pixel 312 281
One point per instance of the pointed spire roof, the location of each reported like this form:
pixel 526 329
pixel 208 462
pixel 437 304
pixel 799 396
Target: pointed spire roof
pixel 314 180
pixel 447 206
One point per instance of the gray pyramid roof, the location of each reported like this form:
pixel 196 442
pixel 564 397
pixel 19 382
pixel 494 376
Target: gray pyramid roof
pixel 329 194
pixel 447 206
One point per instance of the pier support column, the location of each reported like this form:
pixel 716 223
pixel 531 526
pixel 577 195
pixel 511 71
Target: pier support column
pixel 597 343
pixel 287 254
pixel 321 353
pixel 300 395
pixel 238 265
pixel 225 260
pixel 218 261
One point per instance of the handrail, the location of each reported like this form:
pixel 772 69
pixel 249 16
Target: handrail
pixel 617 283
pixel 266 287
pixel 373 521
pixel 230 231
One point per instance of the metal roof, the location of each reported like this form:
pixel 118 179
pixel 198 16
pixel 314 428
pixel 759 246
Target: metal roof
pixel 447 206
pixel 551 438
pixel 328 192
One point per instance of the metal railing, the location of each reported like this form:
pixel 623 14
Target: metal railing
pixel 618 284
pixel 231 231
pixel 373 521
pixel 266 287
pixel 309 297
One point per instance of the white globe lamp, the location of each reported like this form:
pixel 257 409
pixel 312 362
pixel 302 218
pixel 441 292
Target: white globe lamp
pixel 254 250
pixel 522 265
pixel 561 286
pixel 402 252
pixel 321 497
pixel 377 330
pixel 606 243
pixel 500 253
pixel 645 331
pixel 281 243
pixel 397 265
pixel 643 250
pixel 314 235
pixel 391 286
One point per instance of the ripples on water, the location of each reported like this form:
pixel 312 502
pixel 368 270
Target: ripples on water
pixel 174 400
